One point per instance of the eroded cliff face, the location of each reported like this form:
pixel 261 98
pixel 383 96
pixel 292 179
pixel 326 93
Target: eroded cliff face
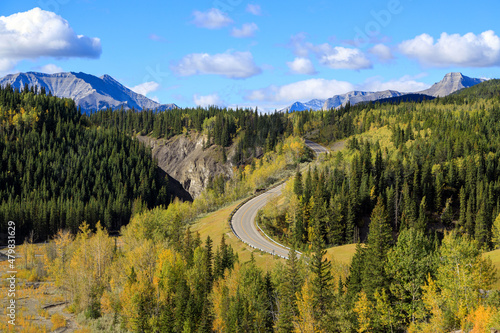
pixel 184 159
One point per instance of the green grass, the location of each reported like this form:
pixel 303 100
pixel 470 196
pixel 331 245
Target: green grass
pixel 342 254
pixel 495 259
pixel 215 225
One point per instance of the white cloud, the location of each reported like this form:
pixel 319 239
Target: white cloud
pixel 146 87
pixel 38 33
pixel 322 89
pixel 298 44
pixel 51 69
pixel 382 52
pixel 247 30
pixel 336 57
pixel 301 90
pixel 406 83
pixel 233 65
pixel 6 65
pixel 211 19
pixel 469 50
pixel 254 9
pixel 339 57
pixel 208 100
pixel 301 66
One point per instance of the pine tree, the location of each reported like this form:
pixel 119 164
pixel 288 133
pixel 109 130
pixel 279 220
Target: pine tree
pixel 297 183
pixel 321 271
pixel 447 213
pixel 286 303
pixel 439 185
pixel 469 221
pixel 294 275
pixel 408 215
pixel 307 191
pixel 463 210
pixel 298 228
pixel 208 263
pixel 482 231
pixel 188 249
pixel 378 170
pixel 422 216
pixel 355 279
pixel 378 244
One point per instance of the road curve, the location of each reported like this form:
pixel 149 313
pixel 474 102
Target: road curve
pixel 318 149
pixel 243 221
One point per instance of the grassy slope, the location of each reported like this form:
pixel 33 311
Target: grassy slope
pixel 342 254
pixel 495 259
pixel 215 224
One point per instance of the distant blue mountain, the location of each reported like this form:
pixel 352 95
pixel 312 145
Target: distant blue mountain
pixel 314 104
pixel 449 84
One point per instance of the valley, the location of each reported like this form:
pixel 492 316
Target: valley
pixel 234 166
pixel 400 179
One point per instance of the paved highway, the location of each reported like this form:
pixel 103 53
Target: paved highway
pixel 318 149
pixel 243 220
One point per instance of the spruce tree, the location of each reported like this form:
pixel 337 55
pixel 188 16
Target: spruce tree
pixel 287 299
pixel 378 244
pixel 469 220
pixel 307 191
pixel 463 210
pixel 482 231
pixel 320 269
pixel 297 184
pixel 208 263
pixel 422 221
pixel 355 279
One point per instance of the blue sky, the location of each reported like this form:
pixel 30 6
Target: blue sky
pixel 253 53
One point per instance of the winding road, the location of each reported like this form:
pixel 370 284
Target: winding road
pixel 243 221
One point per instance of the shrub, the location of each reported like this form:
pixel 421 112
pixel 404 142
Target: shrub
pixel 58 321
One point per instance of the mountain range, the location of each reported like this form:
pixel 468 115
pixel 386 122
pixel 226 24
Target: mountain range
pixel 95 93
pixel 449 84
pixel 88 91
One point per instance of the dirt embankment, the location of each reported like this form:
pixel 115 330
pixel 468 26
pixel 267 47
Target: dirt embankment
pixel 184 158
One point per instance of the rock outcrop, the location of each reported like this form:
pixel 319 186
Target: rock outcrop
pixel 184 159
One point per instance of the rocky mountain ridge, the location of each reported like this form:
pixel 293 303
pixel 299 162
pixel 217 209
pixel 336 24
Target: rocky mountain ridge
pixel 88 91
pixel 355 97
pixel 449 84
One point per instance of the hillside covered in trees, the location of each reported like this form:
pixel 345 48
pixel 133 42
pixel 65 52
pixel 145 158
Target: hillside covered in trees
pixel 222 126
pixel 61 167
pixel 416 187
pixel 435 165
pixel 58 170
